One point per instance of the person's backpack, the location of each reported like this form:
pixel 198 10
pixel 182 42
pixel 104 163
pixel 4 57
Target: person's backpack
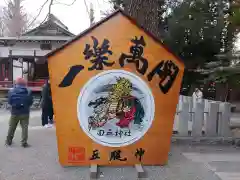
pixel 19 98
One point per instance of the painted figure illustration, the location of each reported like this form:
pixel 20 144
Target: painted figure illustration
pixel 119 103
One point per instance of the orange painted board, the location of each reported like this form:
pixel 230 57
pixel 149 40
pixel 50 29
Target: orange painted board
pixel 114 113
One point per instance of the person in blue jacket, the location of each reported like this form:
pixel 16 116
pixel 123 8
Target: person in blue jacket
pixel 20 99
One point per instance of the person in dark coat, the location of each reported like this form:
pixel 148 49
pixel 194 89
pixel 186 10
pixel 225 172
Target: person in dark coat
pixel 47 106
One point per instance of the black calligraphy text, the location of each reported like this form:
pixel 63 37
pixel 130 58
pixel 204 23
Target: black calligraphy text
pixel 167 72
pixel 139 154
pixel 98 55
pixel 116 155
pixel 68 79
pixel 95 155
pixel 118 133
pixel 136 56
pixel 101 132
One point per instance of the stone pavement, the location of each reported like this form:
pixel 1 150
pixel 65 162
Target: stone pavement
pixel 40 161
pixel 225 165
pixel 235 120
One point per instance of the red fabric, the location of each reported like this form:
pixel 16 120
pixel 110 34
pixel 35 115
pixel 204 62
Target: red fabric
pixel 128 117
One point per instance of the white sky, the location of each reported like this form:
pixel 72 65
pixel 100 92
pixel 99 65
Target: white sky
pixel 75 17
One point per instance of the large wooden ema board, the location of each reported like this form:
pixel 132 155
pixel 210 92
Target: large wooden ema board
pixel 115 89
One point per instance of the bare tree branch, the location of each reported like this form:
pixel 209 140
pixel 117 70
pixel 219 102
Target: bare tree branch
pixel 1 27
pixel 49 12
pixel 5 2
pixel 14 18
pixel 85 2
pixel 58 2
pixel 39 12
pixel 98 3
pixel 91 15
pixel 51 3
pixel 50 6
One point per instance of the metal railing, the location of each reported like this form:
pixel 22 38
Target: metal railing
pixel 4 103
pixel 9 84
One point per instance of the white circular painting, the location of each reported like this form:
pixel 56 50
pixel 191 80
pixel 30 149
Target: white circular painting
pixel 115 108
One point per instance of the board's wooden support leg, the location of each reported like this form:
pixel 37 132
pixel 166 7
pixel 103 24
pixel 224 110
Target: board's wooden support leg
pixel 93 171
pixel 140 171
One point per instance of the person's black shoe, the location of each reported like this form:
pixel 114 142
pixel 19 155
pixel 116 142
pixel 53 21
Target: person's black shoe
pixel 8 143
pixel 25 145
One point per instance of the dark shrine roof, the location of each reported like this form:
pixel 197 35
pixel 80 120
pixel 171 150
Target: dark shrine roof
pixel 51 21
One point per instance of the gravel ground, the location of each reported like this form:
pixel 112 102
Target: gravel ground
pixel 40 161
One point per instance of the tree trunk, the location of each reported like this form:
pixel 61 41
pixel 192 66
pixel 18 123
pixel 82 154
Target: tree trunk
pixel 147 13
pixel 14 18
pixel 17 20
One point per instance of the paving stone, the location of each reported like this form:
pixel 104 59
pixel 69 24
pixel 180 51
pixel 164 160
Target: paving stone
pixel 40 161
pixel 228 176
pixel 225 166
